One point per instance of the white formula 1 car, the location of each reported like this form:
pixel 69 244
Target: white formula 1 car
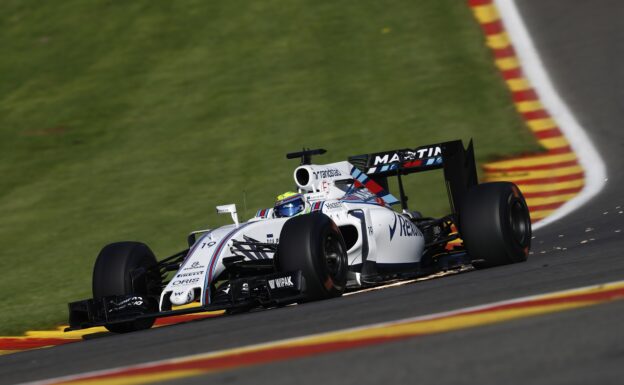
pixel 337 232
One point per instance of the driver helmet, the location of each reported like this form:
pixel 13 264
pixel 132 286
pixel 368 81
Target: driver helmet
pixel 289 204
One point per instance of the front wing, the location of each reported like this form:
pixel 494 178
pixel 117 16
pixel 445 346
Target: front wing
pixel 245 293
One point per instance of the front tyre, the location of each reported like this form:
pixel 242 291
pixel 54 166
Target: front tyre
pixel 112 275
pixel 313 244
pixel 495 224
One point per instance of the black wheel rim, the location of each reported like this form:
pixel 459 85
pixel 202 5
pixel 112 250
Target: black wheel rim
pixel 334 255
pixel 519 222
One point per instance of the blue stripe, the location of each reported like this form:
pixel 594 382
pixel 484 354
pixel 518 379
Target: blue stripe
pixel 355 172
pixel 390 199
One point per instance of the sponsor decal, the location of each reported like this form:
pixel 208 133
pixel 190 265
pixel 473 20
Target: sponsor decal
pixel 406 227
pixel 185 281
pixel 428 152
pixel 315 196
pixel 279 283
pixel 333 205
pixel 194 265
pixel 182 297
pixel 387 158
pixel 393 228
pixel 398 156
pixel 191 274
pixel 208 244
pixel 329 173
pixel 271 239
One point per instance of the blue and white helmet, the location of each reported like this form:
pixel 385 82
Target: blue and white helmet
pixel 289 204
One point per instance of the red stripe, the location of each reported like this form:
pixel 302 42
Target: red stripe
pixel 554 179
pixel 513 73
pixel 550 133
pixel 501 53
pixel 549 206
pixel 523 96
pixel 413 163
pixel 537 114
pixel 559 150
pixel 11 343
pixel 476 3
pixel 547 166
pixel 373 187
pixel 541 194
pixel 493 27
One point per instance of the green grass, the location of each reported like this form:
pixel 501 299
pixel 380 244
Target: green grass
pixel 131 120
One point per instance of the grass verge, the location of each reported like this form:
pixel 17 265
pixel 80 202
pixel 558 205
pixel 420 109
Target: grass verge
pixel 132 120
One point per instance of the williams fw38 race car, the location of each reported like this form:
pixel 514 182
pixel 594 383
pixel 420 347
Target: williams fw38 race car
pixel 337 232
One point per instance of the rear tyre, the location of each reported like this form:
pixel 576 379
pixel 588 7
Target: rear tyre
pixel 495 224
pixel 313 244
pixel 112 276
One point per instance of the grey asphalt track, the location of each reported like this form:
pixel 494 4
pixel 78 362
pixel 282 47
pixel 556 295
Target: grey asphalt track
pixel 582 45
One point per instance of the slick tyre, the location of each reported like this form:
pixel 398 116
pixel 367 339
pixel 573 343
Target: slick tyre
pixel 313 244
pixel 112 276
pixel 495 224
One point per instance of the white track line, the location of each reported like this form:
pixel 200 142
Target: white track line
pixel 592 163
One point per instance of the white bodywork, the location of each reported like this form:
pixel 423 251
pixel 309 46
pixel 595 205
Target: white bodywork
pixel 383 235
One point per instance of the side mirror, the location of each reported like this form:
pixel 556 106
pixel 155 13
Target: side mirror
pixel 231 209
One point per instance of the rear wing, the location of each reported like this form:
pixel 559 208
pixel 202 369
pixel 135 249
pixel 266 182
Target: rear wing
pixel 460 171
